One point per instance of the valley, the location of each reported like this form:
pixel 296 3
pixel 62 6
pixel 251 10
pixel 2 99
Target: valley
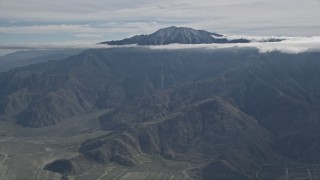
pixel 26 151
pixel 24 154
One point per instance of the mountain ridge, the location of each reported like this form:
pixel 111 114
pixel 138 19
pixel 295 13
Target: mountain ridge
pixel 176 35
pixel 234 109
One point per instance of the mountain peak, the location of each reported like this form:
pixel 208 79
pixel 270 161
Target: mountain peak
pixel 176 35
pixel 175 28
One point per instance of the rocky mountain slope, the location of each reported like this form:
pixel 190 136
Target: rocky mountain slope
pixel 182 35
pixel 228 109
pixel 176 35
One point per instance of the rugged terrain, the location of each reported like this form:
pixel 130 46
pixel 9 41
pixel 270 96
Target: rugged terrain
pixel 139 113
pixel 181 35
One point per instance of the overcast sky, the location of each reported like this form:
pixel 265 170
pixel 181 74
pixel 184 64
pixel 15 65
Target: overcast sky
pixel 90 21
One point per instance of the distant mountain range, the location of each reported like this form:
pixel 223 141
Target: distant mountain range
pixel 24 58
pixel 180 35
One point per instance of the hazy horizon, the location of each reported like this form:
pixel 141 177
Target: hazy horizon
pixel 80 21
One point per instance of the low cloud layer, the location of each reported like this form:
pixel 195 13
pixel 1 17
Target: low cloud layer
pixel 290 45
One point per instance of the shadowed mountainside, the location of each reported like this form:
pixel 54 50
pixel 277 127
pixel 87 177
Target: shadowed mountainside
pixel 231 109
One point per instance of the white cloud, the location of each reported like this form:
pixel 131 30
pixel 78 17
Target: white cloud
pixel 252 16
pixel 48 29
pixel 100 20
pixel 97 33
pixel 88 36
pixel 291 45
